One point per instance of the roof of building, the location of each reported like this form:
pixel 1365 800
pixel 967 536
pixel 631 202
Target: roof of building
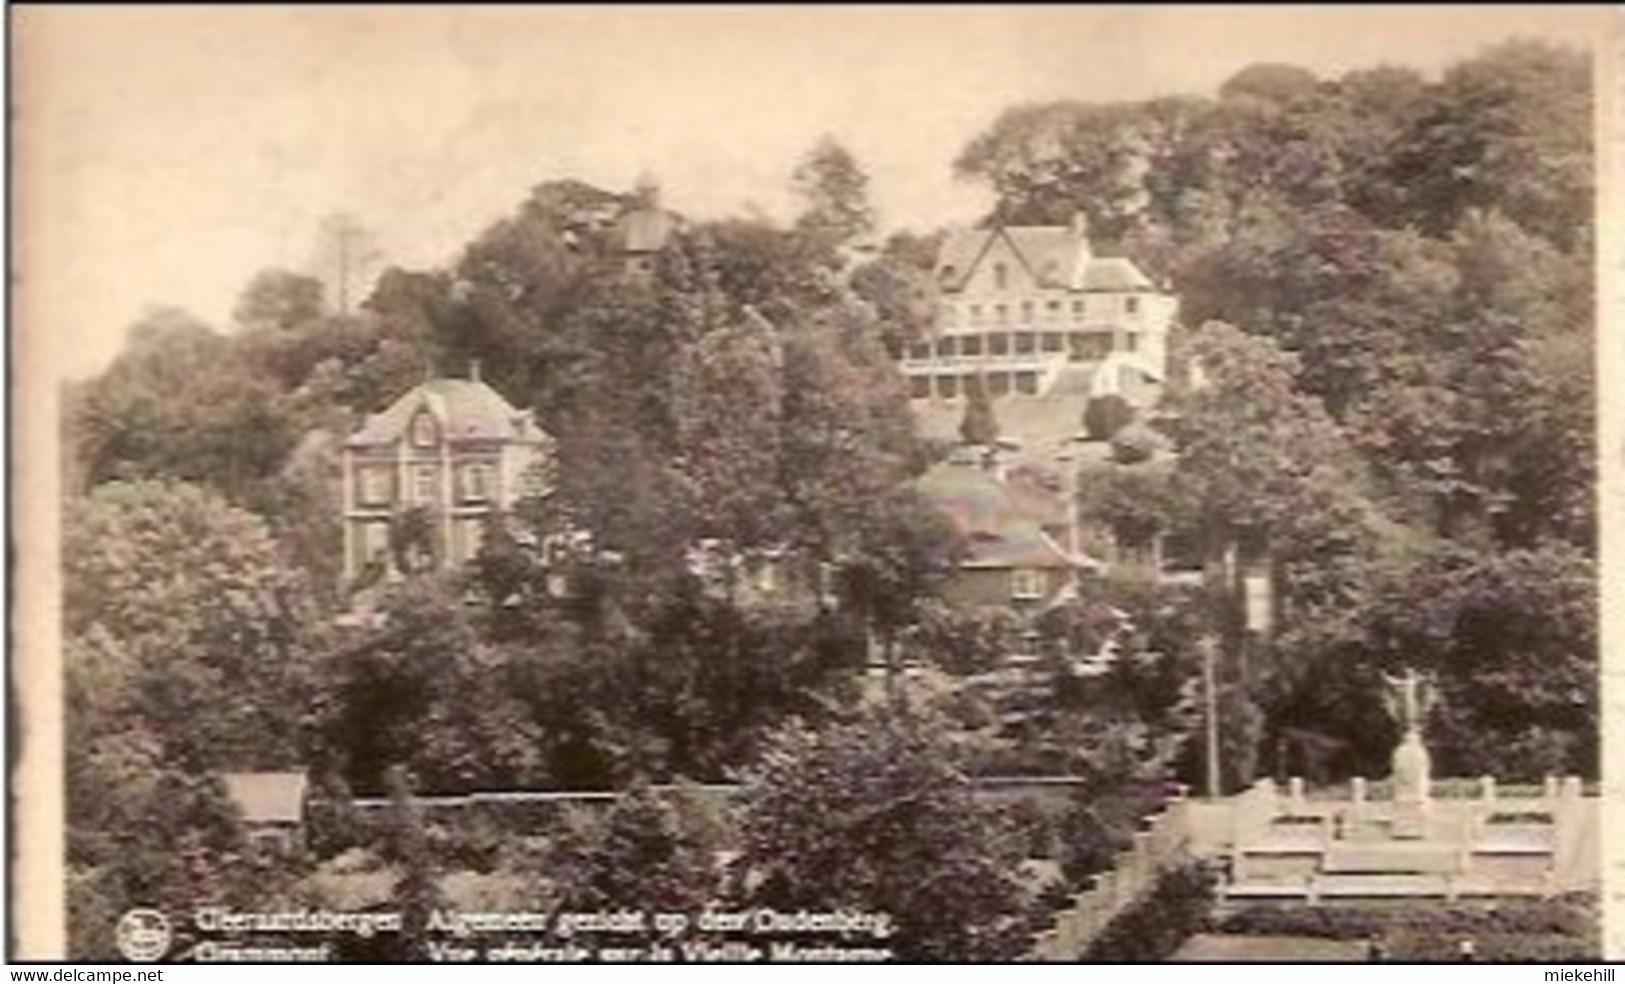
pixel 998 522
pixel 1057 256
pixel 646 230
pixel 267 797
pixel 1113 273
pixel 467 409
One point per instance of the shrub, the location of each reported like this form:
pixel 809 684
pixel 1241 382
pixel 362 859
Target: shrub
pixel 1571 918
pixel 1177 908
pixel 1134 444
pixel 1105 415
pixel 1087 845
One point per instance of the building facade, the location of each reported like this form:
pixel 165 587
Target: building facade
pixel 1032 311
pixel 451 452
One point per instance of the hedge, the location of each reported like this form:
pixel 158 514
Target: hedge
pixel 1178 908
pixel 1571 917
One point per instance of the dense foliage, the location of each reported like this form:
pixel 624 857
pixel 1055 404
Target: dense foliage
pixel 1383 393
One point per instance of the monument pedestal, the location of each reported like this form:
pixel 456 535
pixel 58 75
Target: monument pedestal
pixel 1411 820
pixel 1413 787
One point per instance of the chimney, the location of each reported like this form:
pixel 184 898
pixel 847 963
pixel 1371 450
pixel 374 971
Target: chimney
pixel 474 370
pixel 1080 226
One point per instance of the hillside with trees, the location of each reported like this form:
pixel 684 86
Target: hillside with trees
pixel 1386 280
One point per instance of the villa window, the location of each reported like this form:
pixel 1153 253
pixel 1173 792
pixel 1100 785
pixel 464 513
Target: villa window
pixel 1131 305
pixel 1001 276
pixel 919 350
pixel 976 314
pixel 998 344
pixel 1026 585
pixel 1027 383
pixel 423 430
pixel 476 482
pixel 1077 309
pixel 1131 342
pixel 950 314
pixel 1052 341
pixel 1024 343
pixel 919 387
pixel 998 383
pixel 947 348
pixel 374 486
pixel 374 542
pixel 1027 311
pixel 948 387
pixel 1001 313
pixel 425 485
pixel 971 345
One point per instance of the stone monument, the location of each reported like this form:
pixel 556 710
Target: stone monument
pixel 1409 698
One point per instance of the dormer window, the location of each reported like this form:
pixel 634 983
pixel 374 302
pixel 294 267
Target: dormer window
pixel 1001 276
pixel 948 274
pixel 424 432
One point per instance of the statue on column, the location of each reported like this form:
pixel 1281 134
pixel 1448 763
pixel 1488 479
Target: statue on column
pixel 1408 698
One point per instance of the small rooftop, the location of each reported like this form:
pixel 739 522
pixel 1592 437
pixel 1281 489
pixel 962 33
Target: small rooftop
pixel 1003 526
pixel 267 797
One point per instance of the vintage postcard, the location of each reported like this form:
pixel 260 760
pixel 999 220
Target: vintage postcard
pixel 796 484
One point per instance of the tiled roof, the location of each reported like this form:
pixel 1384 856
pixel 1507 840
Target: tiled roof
pixel 267 797
pixel 467 409
pixel 1056 255
pixel 1000 528
pixel 1113 273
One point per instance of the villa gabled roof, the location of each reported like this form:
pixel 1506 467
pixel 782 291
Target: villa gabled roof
pixel 467 409
pixel 1056 256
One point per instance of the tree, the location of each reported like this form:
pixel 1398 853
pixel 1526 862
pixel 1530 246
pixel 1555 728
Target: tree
pixel 1275 83
pixel 1104 416
pixel 416 893
pixel 185 653
pixel 185 620
pixel 871 815
pixel 279 300
pixel 425 693
pixel 907 550
pixel 978 427
pixel 647 856
pixel 835 195
pixel 181 403
pixel 729 410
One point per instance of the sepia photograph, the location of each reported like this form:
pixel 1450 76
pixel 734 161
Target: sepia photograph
pixel 792 484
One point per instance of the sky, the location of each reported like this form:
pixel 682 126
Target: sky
pixel 164 155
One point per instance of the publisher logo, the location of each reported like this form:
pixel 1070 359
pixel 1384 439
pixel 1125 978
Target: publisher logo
pixel 143 935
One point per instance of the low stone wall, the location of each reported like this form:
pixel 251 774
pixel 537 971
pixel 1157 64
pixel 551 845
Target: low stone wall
pixel 1540 841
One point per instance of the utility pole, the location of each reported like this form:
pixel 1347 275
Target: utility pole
pixel 1210 697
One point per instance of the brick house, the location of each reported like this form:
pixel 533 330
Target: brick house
pixel 1011 560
